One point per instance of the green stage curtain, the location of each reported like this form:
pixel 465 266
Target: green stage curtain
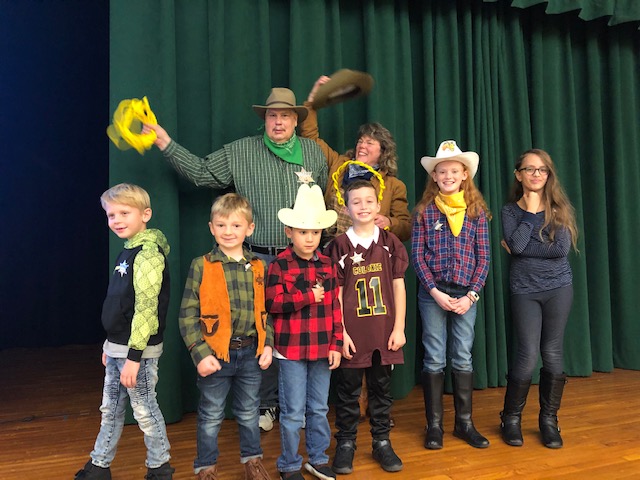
pixel 497 79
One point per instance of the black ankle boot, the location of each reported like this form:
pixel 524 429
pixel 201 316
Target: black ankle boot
pixel 551 389
pixel 462 399
pixel 514 401
pixel 163 472
pixel 433 389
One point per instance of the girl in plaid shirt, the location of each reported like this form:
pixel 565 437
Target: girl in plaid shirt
pixel 450 254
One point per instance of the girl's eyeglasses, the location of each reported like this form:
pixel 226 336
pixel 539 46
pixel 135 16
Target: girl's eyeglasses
pixel 531 170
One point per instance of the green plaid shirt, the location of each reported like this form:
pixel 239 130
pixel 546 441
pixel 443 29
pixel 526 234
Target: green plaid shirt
pixel 240 287
pixel 247 165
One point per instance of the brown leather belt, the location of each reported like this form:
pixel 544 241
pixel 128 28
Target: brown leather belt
pixel 240 342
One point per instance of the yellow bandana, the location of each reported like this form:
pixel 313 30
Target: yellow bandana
pixel 127 125
pixel 454 207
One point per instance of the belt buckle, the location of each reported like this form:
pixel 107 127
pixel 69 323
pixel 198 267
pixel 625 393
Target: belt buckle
pixel 235 343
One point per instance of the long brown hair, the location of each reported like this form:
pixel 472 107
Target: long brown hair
pixel 472 196
pixel 558 211
pixel 388 155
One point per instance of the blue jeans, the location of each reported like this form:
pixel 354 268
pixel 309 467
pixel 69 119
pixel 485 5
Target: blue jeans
pixel 304 389
pixel 241 375
pixel 269 385
pixel 434 332
pixel 145 411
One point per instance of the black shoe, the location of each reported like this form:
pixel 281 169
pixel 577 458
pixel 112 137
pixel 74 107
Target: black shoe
pixel 163 472
pixel 93 472
pixel 383 453
pixel 343 459
pixel 323 472
pixel 297 475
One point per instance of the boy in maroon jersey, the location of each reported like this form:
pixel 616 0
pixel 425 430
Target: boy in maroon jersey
pixel 302 297
pixel 371 266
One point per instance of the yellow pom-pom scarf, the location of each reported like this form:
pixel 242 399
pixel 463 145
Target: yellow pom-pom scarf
pixel 454 207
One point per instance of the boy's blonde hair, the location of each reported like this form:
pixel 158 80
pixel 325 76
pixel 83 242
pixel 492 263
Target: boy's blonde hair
pixel 232 203
pixel 126 194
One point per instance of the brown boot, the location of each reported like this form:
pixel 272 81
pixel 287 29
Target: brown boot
pixel 254 470
pixel 210 473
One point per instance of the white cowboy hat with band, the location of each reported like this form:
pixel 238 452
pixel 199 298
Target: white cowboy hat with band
pixel 449 150
pixel 309 211
pixel 281 98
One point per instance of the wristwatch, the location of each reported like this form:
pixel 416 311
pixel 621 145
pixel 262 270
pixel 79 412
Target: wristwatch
pixel 473 295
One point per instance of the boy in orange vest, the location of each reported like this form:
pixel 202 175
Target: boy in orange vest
pixel 223 322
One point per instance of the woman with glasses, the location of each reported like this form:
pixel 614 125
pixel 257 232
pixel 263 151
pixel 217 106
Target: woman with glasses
pixel 539 229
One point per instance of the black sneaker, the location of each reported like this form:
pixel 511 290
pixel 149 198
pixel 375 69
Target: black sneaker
pixel 297 475
pixel 343 460
pixel 93 472
pixel 323 472
pixel 383 453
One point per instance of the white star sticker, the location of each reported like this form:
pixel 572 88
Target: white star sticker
pixel 357 258
pixel 122 268
pixel 304 176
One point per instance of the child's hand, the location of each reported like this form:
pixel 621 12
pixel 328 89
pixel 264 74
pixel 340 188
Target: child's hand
pixel 266 357
pixel 347 346
pixel 208 365
pixel 397 340
pixel 334 359
pixel 104 359
pixel 129 373
pixel 442 299
pixel 532 200
pixel 461 305
pixel 318 293
pixel 503 244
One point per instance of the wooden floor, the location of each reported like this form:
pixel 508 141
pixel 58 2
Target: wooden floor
pixel 49 417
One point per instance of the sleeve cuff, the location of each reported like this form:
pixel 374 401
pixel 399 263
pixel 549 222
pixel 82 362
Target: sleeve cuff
pixel 134 355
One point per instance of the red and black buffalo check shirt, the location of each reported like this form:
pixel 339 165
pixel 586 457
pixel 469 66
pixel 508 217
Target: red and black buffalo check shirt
pixel 304 329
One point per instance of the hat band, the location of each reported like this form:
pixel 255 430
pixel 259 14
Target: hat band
pixel 280 102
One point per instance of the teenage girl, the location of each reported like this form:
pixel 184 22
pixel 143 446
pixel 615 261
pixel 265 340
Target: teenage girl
pixel 539 228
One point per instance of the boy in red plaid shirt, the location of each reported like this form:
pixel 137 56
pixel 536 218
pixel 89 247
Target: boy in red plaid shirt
pixel 302 297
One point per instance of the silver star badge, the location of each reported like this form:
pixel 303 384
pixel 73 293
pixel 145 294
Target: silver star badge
pixel 357 258
pixel 438 225
pixel 304 176
pixel 122 268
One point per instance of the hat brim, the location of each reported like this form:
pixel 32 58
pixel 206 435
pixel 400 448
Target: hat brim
pixel 320 221
pixel 468 159
pixel 300 110
pixel 344 85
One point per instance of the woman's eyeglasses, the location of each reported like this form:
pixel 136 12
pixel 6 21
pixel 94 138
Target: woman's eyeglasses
pixel 531 170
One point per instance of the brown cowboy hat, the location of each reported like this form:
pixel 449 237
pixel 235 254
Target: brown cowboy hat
pixel 281 98
pixel 344 85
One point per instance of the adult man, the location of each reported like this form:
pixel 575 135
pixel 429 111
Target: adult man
pixel 265 169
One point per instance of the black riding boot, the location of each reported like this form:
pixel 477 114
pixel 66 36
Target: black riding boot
pixel 433 389
pixel 462 399
pixel 551 388
pixel 514 401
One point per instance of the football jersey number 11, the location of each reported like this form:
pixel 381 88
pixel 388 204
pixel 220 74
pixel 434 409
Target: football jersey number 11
pixel 364 308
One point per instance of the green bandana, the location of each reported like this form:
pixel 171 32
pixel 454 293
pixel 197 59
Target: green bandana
pixel 290 151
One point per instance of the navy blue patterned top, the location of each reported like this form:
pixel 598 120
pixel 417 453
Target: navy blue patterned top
pixel 537 265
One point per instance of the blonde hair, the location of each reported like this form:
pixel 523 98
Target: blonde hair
pixel 472 196
pixel 126 194
pixel 232 203
pixel 558 211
